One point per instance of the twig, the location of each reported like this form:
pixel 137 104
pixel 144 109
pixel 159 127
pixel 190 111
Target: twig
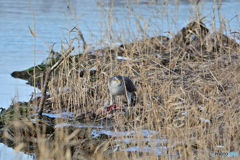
pixel 47 78
pixel 82 38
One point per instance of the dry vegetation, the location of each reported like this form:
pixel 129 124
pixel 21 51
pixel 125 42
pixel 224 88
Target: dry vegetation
pixel 187 101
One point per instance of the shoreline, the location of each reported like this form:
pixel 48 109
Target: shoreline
pixel 81 90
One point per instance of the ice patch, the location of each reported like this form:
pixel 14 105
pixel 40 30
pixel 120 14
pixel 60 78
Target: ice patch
pixel 64 115
pixel 145 133
pixel 93 69
pixel 122 58
pixel 204 120
pixel 7 153
pixel 184 113
pixel 39 94
pixel 154 141
pixel 155 150
pixel 78 125
pixel 201 108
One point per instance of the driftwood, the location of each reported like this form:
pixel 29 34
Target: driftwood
pixel 47 78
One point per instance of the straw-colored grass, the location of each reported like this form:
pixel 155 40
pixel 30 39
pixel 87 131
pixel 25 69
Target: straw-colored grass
pixel 187 98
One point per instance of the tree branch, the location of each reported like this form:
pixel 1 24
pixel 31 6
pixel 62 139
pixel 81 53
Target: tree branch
pixel 47 79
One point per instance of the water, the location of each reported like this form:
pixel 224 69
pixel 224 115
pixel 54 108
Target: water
pixel 51 17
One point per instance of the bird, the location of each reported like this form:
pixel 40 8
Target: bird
pixel 121 85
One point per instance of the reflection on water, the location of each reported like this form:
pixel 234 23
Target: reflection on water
pixel 51 19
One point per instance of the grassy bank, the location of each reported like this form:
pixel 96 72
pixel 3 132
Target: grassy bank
pixel 186 106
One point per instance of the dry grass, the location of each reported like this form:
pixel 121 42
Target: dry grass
pixel 187 96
